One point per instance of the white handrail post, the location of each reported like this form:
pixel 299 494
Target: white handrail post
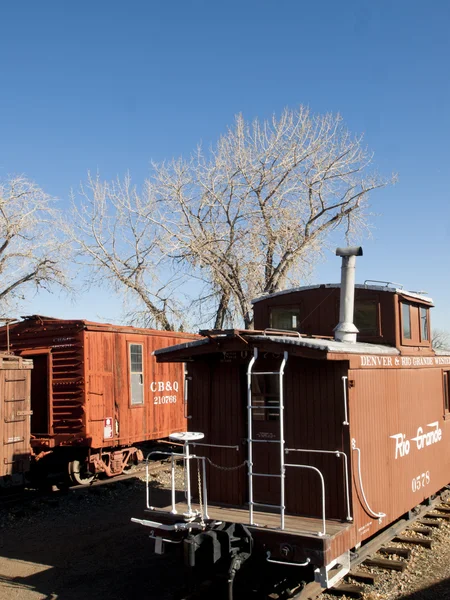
pixel 147 491
pixel 347 487
pixel 282 441
pixel 172 479
pixel 205 491
pixel 250 434
pixel 344 385
pixel 187 460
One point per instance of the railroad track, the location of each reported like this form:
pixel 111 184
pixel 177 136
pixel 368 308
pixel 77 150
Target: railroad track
pixel 389 551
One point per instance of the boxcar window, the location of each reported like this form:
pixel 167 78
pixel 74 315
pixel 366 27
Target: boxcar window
pixel 266 397
pixel 446 393
pixel 366 316
pixel 406 321
pixel 285 318
pixel 136 374
pixel 424 324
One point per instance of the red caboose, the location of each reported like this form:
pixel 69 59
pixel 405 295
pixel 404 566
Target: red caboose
pixel 96 390
pixel 319 430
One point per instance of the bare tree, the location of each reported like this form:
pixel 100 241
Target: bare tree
pixel 31 255
pixel 254 214
pixel 249 217
pixel 440 339
pixel 116 232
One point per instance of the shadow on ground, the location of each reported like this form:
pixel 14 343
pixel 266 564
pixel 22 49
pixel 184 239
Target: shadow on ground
pixel 82 544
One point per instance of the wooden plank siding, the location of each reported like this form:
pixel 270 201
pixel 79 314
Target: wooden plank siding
pixel 314 413
pixel 384 403
pixel 15 447
pixel 83 379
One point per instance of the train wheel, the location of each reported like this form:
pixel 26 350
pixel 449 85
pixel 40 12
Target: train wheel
pixel 79 473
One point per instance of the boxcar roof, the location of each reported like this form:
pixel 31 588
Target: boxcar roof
pixel 94 326
pixel 379 288
pixel 321 345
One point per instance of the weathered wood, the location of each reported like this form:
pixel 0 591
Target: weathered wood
pixel 444 509
pixel 347 589
pixel 404 552
pixel 413 540
pixel 386 563
pixel 418 529
pixel 437 516
pixel 370 578
pixel 430 523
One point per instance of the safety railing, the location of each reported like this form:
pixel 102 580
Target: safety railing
pixel 322 481
pixel 174 456
pixel 338 454
pixel 190 439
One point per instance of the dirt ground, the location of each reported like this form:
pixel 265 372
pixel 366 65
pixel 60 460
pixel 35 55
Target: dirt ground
pixel 83 545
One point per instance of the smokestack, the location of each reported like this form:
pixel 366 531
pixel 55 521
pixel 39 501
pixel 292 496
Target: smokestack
pixel 345 330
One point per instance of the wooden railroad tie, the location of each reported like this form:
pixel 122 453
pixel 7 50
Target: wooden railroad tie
pixel 403 552
pixel 386 563
pixel 418 529
pixel 347 589
pixel 444 509
pixel 363 576
pixel 430 523
pixel 413 540
pixel 446 517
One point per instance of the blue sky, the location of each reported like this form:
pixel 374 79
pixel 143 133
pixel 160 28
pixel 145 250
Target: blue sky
pixel 110 85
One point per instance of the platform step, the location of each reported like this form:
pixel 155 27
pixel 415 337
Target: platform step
pixel 386 563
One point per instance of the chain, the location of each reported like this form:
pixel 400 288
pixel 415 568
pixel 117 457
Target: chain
pixel 200 499
pixel 227 468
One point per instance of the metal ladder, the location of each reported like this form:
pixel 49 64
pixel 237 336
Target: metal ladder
pixel 251 441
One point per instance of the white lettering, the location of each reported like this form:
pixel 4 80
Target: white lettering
pixel 422 439
pixel 164 386
pixel 402 445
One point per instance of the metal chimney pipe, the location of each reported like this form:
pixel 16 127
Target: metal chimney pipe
pixel 345 330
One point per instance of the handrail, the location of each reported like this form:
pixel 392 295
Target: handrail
pixel 250 433
pixel 344 385
pixel 323 492
pixel 372 513
pixel 282 442
pixel 337 453
pixel 236 447
pixel 185 458
pixel 287 564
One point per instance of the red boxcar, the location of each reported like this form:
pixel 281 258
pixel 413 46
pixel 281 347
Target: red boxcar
pixel 312 443
pixel 96 390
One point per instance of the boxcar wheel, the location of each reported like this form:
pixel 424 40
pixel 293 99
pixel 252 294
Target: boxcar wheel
pixel 79 473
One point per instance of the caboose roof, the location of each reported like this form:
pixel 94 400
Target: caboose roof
pixel 219 341
pixel 388 288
